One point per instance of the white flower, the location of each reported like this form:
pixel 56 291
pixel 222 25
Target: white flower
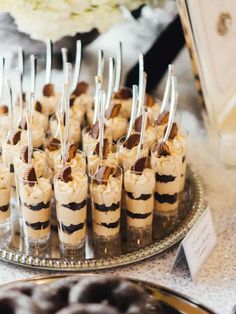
pixel 43 19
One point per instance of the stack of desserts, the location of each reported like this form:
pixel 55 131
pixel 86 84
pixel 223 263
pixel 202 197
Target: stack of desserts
pixel 120 154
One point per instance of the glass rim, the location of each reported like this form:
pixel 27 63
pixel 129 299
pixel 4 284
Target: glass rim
pixel 49 178
pixel 73 169
pixel 92 176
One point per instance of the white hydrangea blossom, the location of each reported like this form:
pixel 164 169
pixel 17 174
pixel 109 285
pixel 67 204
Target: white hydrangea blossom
pixel 53 19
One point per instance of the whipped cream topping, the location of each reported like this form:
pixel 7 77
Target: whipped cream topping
pixel 39 162
pixel 50 104
pixel 107 194
pixel 4 185
pixel 39 192
pixel 78 162
pixel 74 129
pixel 126 105
pixel 93 162
pixel 139 184
pixel 72 191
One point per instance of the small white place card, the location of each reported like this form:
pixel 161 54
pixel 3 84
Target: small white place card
pixel 198 244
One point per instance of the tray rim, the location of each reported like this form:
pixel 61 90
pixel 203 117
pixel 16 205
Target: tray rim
pixel 151 250
pixel 161 288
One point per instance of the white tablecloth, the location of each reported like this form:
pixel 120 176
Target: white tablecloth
pixel 215 285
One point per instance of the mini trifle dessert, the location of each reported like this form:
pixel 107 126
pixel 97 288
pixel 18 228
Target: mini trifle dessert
pixel 115 125
pixel 74 129
pixel 5 192
pixel 109 157
pixel 139 186
pixel 49 100
pixel 35 201
pixel 74 158
pixel 105 191
pixel 166 162
pixel 80 101
pixel 153 108
pixel 90 138
pixel 150 132
pixel 71 188
pixel 123 97
pixel 37 130
pixel 127 149
pixel 4 122
pixel 10 148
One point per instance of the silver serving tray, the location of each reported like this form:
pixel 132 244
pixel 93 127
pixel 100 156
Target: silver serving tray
pixel 171 301
pixel 169 230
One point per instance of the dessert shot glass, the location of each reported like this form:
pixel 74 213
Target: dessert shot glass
pixel 182 138
pixel 5 196
pixel 127 154
pixel 71 188
pixel 35 202
pixel 105 191
pixel 168 169
pixel 139 186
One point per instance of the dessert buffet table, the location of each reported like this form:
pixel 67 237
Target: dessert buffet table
pixel 215 285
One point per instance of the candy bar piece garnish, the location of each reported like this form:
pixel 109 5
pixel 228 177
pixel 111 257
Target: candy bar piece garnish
pixel 138 124
pixel 132 141
pixel 103 173
pixel 65 174
pixel 48 90
pixel 139 165
pixel 24 154
pixel 163 149
pixel 123 93
pixel 81 88
pixel 53 144
pixel 3 109
pixel 163 118
pixel 16 137
pixel 112 111
pixel 149 100
pixel 94 132
pixel 30 175
pixel 71 152
pixel 38 106
pixel 173 132
pixel 105 148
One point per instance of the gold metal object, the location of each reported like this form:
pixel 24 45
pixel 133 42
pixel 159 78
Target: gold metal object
pixel 171 298
pixel 224 23
pixel 171 230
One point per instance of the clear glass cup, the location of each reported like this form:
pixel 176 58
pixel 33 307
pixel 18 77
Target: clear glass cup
pixel 35 202
pixel 182 138
pixel 139 204
pixel 5 192
pixel 227 148
pixel 106 212
pixel 168 171
pixel 71 208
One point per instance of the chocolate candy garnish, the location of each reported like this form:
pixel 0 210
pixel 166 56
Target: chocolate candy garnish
pixel 71 152
pixel 16 137
pixel 149 100
pixel 53 144
pixel 163 149
pixel 30 175
pixel 105 148
pixel 38 107
pixel 173 132
pixel 94 132
pixel 113 111
pixel 24 154
pixel 81 88
pixel 123 93
pixel 163 118
pixel 65 174
pixel 138 123
pixel 103 173
pixel 48 90
pixel 132 141
pixel 139 165
pixel 3 109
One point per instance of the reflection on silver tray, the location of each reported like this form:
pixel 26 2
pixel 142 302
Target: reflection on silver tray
pixel 171 301
pixel 168 230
